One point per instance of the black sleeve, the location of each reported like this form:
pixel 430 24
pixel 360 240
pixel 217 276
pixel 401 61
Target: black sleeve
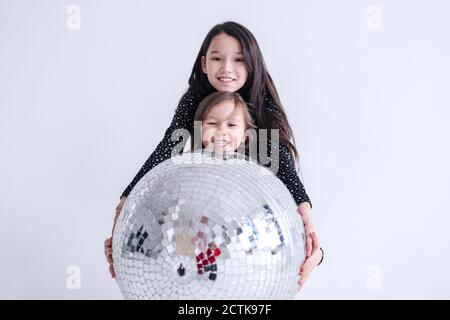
pixel 287 172
pixel 183 119
pixel 288 175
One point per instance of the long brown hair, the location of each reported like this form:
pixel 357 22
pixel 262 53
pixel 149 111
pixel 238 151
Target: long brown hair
pixel 259 90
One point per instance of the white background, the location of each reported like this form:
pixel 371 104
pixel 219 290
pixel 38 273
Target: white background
pixel 367 95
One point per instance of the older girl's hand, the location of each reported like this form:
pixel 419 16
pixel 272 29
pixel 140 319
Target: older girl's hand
pixel 108 255
pixel 312 260
pixel 313 251
pixel 108 242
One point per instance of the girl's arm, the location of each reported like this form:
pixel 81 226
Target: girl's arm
pixel 183 119
pixel 288 175
pixel 286 167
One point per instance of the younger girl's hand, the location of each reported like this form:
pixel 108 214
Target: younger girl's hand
pixel 108 242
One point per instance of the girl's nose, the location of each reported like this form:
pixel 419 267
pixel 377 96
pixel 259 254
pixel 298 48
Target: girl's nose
pixel 222 131
pixel 227 65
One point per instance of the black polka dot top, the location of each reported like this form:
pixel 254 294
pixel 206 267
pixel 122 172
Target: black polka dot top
pixel 184 119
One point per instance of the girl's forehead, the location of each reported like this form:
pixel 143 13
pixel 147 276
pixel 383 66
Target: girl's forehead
pixel 226 109
pixel 224 43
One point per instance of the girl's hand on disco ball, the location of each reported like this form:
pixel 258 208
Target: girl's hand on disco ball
pixel 312 261
pixel 108 255
pixel 304 210
pixel 108 242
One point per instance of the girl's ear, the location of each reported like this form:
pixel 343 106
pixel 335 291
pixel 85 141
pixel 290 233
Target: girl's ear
pixel 245 138
pixel 203 60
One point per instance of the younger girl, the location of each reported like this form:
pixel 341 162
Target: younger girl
pixel 225 120
pixel 230 60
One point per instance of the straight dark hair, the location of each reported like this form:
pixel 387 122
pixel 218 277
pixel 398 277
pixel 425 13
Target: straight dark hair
pixel 257 88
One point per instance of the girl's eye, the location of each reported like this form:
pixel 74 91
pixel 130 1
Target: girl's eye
pixel 239 60
pixel 211 123
pixel 215 58
pixel 232 125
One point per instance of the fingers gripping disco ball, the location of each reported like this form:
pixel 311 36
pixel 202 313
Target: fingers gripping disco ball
pixel 199 226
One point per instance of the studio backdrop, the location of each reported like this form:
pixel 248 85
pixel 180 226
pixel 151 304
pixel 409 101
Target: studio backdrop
pixel 88 88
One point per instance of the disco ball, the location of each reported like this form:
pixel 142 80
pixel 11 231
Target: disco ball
pixel 201 226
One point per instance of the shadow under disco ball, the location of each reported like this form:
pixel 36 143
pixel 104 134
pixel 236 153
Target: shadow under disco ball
pixel 200 226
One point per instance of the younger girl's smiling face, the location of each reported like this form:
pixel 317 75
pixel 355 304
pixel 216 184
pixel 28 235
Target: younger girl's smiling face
pixel 224 64
pixel 223 128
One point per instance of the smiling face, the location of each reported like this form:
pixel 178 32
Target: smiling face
pixel 224 64
pixel 223 128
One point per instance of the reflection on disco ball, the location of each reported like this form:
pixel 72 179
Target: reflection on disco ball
pixel 200 226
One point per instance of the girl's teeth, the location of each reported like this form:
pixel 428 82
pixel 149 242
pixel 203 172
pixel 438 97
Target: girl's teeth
pixel 226 79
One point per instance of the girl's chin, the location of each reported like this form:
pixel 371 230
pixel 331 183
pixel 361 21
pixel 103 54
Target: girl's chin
pixel 227 87
pixel 223 149
pixel 218 149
